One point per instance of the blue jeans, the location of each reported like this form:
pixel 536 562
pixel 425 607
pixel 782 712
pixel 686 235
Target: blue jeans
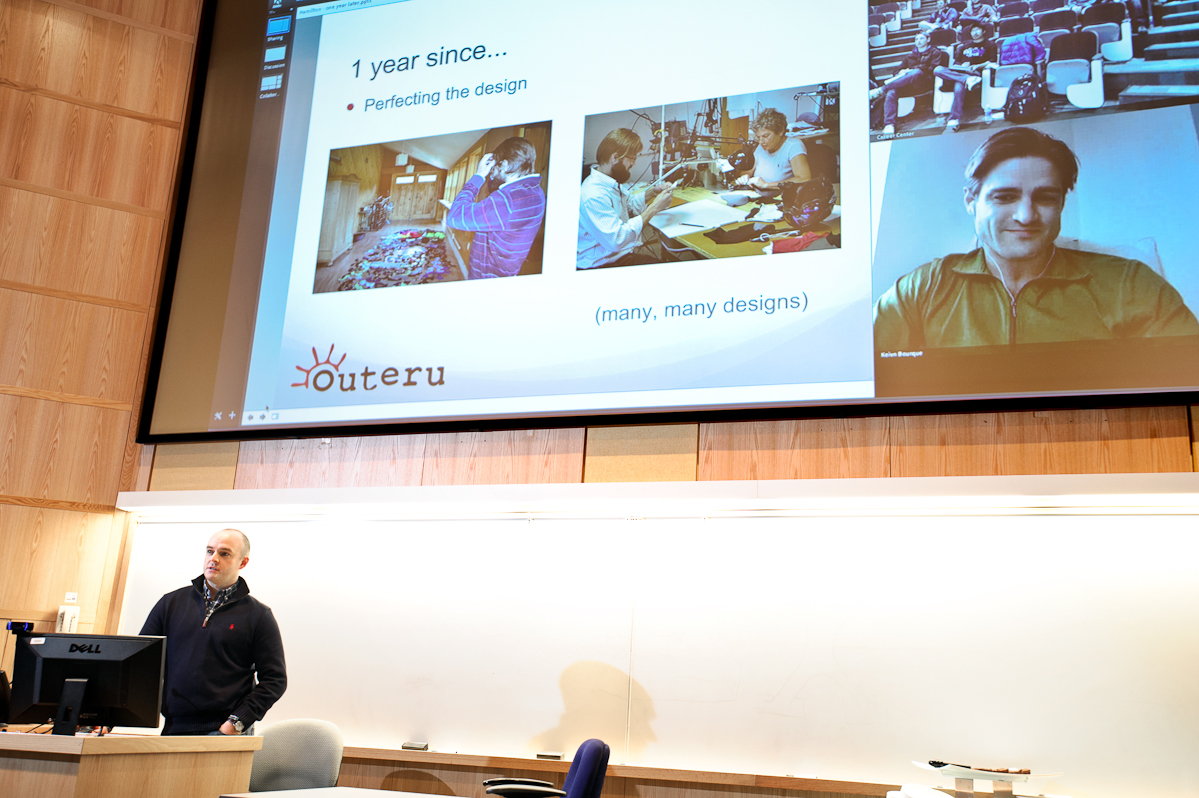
pixel 907 85
pixel 959 89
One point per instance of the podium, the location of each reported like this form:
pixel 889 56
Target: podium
pixel 51 766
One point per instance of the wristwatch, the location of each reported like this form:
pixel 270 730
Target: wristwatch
pixel 237 724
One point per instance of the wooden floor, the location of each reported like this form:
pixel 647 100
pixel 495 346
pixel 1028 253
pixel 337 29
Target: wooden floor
pixel 327 277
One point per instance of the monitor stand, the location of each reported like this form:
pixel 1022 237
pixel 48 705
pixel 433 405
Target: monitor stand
pixel 69 705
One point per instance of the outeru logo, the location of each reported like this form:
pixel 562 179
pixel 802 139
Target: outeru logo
pixel 326 373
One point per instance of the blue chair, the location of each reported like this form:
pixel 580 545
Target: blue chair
pixel 585 779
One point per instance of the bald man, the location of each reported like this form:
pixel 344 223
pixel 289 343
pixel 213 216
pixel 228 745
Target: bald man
pixel 219 638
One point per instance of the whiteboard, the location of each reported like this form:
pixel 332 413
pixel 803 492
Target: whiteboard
pixel 831 647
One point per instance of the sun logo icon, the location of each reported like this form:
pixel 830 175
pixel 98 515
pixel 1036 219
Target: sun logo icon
pixel 320 374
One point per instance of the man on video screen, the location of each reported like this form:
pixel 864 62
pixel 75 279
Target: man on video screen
pixel 1018 286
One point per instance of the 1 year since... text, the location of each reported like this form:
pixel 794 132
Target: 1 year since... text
pixel 768 305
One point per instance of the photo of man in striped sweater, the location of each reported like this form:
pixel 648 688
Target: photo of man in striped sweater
pixel 506 221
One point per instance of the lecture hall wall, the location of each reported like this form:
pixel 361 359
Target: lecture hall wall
pixel 93 98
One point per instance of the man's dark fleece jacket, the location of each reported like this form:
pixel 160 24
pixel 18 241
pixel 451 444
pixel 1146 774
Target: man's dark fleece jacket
pixel 210 669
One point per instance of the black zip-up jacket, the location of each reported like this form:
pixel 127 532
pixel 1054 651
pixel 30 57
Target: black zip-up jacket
pixel 210 669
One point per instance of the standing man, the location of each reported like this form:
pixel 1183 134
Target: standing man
pixel 218 639
pixel 506 222
pixel 611 223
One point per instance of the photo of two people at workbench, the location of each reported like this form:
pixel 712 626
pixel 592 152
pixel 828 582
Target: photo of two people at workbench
pixel 939 66
pixel 1065 250
pixel 459 206
pixel 723 177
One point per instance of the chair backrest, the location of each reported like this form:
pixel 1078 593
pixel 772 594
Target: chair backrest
pixel 585 779
pixel 957 5
pixel 1013 10
pixel 877 19
pixel 1023 48
pixel 1047 5
pixel 1082 46
pixel 1104 12
pixel 822 159
pixel 942 37
pixel 1066 19
pixel 297 755
pixel 1010 27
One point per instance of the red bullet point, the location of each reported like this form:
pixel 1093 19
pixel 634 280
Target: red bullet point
pixel 350 107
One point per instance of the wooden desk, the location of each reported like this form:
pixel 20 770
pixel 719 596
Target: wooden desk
pixel 52 766
pixel 702 245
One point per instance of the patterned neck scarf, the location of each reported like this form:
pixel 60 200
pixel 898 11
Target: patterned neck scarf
pixel 213 602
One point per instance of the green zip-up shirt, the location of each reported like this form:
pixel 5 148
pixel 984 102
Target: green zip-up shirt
pixel 956 301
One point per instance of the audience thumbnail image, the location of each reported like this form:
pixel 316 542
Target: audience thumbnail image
pixel 723 177
pixel 1025 235
pixel 460 206
pixel 938 66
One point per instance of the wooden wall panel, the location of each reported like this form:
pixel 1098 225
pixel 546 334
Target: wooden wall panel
pixel 63 146
pixel 92 94
pixel 60 51
pixel 45 554
pixel 655 453
pixel 60 452
pixel 815 448
pixel 194 466
pixel 179 16
pixel 376 461
pixel 507 457
pixel 470 458
pixel 55 345
pixel 1119 440
pixel 77 250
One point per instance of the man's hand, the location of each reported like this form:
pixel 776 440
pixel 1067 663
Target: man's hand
pixel 656 189
pixel 758 182
pixel 486 164
pixel 659 203
pixel 227 727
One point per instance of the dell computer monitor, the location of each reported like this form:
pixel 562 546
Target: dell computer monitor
pixel 94 680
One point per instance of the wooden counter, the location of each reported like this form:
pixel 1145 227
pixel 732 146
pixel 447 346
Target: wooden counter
pixel 54 766
pixel 462 775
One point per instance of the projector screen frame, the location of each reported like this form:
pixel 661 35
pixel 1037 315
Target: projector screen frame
pixel 846 408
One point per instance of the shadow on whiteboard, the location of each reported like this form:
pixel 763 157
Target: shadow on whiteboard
pixel 599 700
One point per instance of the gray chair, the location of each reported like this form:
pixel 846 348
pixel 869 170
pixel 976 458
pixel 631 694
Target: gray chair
pixel 297 755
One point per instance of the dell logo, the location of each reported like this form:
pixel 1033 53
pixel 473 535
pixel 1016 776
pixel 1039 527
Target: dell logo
pixel 91 648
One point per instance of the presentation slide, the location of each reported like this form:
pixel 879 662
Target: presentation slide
pixel 539 209
pixel 466 147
